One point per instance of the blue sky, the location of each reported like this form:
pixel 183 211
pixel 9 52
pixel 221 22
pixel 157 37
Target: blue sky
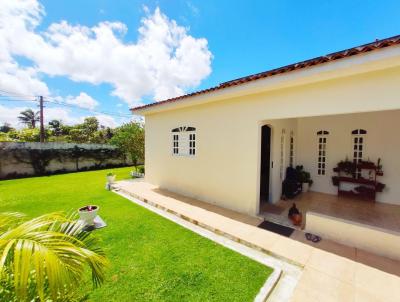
pixel 243 37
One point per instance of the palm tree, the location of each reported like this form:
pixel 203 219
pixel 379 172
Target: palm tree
pixel 29 118
pixel 45 258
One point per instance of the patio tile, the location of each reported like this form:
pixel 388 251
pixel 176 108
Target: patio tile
pixel 327 245
pixel 377 283
pixel 292 250
pixel 318 286
pixel 263 239
pixel 382 263
pixel 333 265
pixel 364 296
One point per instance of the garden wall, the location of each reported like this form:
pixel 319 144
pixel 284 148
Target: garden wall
pixel 33 159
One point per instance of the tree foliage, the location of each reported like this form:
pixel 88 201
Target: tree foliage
pixel 29 118
pixel 6 128
pixel 130 139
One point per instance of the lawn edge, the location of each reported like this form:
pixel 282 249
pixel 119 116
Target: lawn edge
pixel 272 280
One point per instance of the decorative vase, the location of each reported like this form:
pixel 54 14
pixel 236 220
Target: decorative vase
pixel 88 214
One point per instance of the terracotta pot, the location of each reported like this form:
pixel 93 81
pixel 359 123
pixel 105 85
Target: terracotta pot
pixel 297 219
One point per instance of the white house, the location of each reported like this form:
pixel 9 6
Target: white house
pixel 230 145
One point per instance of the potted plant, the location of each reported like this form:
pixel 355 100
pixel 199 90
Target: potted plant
pixel 88 214
pixel 347 166
pixel 110 177
pixel 304 178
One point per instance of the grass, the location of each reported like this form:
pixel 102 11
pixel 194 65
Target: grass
pixel 152 258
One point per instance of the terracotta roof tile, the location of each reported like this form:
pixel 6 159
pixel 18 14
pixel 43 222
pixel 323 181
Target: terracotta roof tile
pixel 378 44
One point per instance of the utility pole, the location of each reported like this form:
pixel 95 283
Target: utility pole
pixel 41 119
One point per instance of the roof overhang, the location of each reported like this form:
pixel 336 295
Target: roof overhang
pixel 379 59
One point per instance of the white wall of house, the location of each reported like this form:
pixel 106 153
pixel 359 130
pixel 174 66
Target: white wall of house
pixel 225 169
pixel 381 141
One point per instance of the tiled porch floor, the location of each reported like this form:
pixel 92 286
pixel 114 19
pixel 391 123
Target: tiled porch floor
pixel 377 214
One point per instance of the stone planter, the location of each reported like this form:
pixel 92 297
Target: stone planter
pixel 111 179
pixel 88 213
pixel 305 187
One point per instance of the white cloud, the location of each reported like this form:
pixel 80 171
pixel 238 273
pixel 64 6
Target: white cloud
pixel 107 121
pixel 83 100
pixel 162 63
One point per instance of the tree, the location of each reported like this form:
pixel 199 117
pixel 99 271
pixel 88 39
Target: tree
pixel 29 135
pixel 45 258
pixel 6 128
pixel 90 126
pixel 130 139
pixel 55 126
pixel 29 118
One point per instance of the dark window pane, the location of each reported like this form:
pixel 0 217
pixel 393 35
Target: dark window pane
pixel 355 154
pixel 361 140
pixel 356 140
pixel 360 147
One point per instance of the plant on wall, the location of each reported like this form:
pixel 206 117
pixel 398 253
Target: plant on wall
pixel 39 159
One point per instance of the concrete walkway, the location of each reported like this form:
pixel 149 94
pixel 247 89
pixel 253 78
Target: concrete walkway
pixel 326 276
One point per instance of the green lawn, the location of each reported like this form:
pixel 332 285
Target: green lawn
pixel 152 259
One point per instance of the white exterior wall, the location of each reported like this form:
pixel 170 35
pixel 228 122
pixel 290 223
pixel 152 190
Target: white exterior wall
pixel 381 141
pixel 226 167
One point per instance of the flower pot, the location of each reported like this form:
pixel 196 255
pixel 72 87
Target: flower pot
pixel 305 186
pixel 111 179
pixel 88 213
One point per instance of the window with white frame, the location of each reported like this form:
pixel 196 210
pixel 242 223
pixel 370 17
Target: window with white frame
pixel 192 143
pixel 184 141
pixel 175 148
pixel 291 149
pixel 322 137
pixel 358 137
pixel 282 155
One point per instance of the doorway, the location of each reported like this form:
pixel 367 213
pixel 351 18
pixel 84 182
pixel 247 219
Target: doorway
pixel 265 163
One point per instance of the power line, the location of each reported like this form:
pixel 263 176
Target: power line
pixel 16 100
pixel 86 109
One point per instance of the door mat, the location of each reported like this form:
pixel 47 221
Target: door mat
pixel 276 228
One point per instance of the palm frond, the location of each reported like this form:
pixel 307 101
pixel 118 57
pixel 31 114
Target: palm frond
pixel 50 251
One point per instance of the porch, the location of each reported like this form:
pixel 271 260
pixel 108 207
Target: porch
pixel 376 214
